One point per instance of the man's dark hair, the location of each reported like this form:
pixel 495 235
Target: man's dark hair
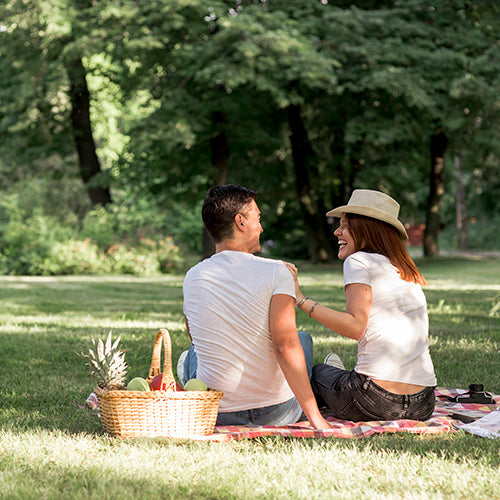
pixel 221 206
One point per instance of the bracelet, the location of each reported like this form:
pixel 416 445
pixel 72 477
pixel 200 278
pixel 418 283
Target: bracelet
pixel 312 308
pixel 302 301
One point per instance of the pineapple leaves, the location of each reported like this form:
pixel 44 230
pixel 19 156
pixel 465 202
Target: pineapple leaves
pixel 107 363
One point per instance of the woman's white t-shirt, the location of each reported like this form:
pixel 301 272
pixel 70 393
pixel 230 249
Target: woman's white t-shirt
pixel 395 345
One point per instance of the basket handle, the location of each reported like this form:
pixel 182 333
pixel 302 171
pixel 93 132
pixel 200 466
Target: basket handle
pixel 168 375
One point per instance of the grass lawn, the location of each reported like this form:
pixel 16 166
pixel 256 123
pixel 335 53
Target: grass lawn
pixel 51 447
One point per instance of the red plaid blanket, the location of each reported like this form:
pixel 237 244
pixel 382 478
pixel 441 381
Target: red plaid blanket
pixel 441 421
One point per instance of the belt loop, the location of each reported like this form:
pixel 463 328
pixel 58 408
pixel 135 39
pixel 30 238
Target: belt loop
pixel 366 383
pixel 406 401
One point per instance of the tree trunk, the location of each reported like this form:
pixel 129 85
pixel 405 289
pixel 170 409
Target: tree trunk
pixel 220 158
pixel 341 192
pixel 344 170
pixel 82 133
pixel 311 200
pixel 439 143
pixel 461 205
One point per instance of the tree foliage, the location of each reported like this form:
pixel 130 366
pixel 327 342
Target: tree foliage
pixel 302 100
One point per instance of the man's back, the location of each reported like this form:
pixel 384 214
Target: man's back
pixel 226 302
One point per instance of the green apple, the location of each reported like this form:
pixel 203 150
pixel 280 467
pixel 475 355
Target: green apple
pixel 195 384
pixel 138 384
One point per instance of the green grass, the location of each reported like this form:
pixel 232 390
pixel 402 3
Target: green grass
pixel 51 447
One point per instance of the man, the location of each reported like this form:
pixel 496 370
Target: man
pixel 240 315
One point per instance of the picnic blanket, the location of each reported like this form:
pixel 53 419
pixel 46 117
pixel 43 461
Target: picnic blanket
pixel 441 421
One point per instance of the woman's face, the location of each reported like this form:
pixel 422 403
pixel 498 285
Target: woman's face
pixel 346 241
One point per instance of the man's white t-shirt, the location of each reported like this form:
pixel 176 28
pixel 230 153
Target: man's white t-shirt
pixel 226 303
pixel 395 345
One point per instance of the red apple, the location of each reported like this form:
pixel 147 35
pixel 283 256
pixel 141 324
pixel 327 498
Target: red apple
pixel 156 383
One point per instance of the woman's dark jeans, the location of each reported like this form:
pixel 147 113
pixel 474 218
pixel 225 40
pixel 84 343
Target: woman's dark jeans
pixel 353 396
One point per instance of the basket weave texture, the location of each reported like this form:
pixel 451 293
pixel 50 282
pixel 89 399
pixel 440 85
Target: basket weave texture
pixel 167 413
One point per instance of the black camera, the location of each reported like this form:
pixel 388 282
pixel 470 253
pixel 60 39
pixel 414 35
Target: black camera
pixel 476 394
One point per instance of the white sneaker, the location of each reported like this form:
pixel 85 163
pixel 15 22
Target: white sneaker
pixel 333 359
pixel 180 366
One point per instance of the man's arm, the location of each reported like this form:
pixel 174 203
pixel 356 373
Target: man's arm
pixel 290 356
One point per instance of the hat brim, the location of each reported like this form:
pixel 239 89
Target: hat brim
pixel 374 213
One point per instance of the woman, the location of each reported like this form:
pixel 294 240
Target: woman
pixel 386 312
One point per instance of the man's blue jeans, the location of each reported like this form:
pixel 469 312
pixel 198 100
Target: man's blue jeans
pixel 285 413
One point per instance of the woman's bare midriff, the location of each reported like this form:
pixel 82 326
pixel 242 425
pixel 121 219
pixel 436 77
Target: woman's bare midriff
pixel 399 387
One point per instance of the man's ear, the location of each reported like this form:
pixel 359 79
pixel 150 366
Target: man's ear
pixel 239 220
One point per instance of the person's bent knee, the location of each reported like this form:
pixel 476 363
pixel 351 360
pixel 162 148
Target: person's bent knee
pixel 305 337
pixel 307 346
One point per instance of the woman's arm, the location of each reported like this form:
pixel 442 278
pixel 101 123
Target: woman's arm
pixel 351 323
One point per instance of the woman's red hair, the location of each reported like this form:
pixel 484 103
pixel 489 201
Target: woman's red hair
pixel 374 236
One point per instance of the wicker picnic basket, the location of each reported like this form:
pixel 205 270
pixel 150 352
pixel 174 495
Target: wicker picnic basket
pixel 166 413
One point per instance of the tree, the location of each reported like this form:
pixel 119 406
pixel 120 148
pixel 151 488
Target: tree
pixel 359 102
pixel 439 143
pixel 55 100
pixel 302 100
pixel 231 65
pixel 90 168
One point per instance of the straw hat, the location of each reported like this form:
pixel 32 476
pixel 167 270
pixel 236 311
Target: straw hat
pixel 372 204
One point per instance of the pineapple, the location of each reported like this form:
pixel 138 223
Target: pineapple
pixel 107 363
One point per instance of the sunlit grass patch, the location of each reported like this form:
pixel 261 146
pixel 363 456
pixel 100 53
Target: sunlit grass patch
pixel 51 446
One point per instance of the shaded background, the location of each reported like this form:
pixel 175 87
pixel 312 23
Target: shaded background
pixel 117 116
